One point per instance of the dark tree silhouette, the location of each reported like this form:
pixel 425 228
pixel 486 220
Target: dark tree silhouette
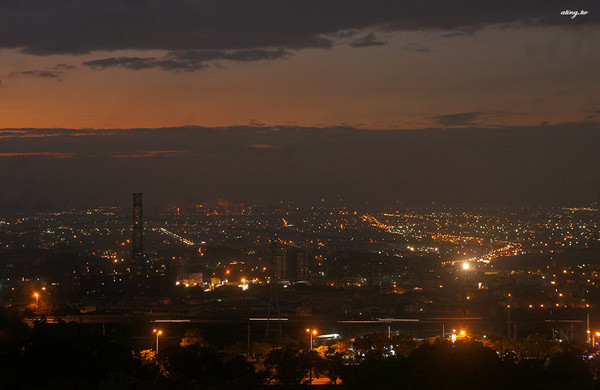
pixel 290 365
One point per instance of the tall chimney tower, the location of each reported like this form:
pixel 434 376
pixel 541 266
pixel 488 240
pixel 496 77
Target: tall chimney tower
pixel 137 238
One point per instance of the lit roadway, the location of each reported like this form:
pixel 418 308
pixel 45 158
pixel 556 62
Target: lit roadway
pixel 176 236
pixel 507 249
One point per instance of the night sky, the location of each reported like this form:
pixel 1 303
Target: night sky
pixel 470 103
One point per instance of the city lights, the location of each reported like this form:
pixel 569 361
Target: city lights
pixel 413 183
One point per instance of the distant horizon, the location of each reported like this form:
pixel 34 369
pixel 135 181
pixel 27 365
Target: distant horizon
pixel 457 125
pixel 547 165
pixel 212 205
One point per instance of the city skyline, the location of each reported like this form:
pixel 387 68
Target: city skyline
pixel 386 194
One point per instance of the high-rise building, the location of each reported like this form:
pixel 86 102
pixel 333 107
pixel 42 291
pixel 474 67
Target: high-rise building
pixel 278 260
pixel 303 260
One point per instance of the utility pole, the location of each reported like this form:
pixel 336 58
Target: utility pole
pixel 588 328
pixel 508 322
pixel 248 345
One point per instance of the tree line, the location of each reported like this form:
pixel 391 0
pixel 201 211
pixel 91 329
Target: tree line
pixel 73 356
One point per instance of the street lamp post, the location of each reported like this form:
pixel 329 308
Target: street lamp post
pixel 311 334
pixel 594 335
pixel 158 332
pixel 588 327
pixel 37 302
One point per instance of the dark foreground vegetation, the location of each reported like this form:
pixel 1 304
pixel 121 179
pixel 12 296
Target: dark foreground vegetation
pixel 73 356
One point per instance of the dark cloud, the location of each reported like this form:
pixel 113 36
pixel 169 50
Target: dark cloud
pixel 187 61
pixel 135 63
pixel 592 113
pixel 461 32
pixel 483 119
pixel 460 119
pixel 255 123
pixel 149 153
pixel 45 74
pixel 367 40
pixel 38 154
pixel 265 146
pixel 45 133
pixel 417 48
pixel 255 55
pixel 64 66
pixel 82 26
pixel 55 72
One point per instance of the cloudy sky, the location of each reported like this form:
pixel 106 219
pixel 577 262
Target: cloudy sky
pixel 298 71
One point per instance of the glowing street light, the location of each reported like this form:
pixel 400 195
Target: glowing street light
pixel 37 301
pixel 594 335
pixel 311 333
pixel 158 332
pixel 466 266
